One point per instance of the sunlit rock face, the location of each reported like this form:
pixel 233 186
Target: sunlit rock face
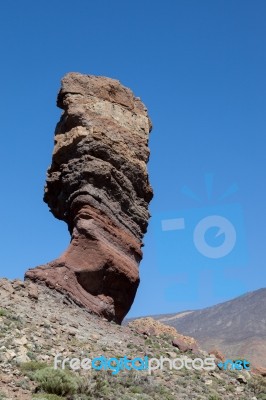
pixel 98 184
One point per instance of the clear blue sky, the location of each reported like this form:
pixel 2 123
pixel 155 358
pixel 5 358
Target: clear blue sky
pixel 199 66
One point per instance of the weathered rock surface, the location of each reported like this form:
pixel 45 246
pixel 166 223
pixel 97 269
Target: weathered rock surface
pixel 98 184
pixel 150 327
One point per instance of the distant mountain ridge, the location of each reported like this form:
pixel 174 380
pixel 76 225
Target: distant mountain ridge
pixel 236 327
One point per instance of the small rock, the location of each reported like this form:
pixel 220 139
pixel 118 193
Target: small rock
pixel 8 287
pixel 5 379
pixel 95 336
pixel 217 354
pixel 17 284
pixel 74 325
pixel 241 379
pixel 184 346
pixel 21 341
pixel 171 354
pixel 9 355
pixel 215 375
pixel 72 331
pixel 22 358
pixel 33 292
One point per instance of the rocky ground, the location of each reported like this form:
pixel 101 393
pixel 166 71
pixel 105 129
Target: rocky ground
pixel 36 323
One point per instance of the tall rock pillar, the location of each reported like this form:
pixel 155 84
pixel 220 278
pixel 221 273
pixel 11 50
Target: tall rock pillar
pixel 98 184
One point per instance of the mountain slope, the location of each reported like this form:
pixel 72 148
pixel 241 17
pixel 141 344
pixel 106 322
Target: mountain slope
pixel 37 323
pixel 236 327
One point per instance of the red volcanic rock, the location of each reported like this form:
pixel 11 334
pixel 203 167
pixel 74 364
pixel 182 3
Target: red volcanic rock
pixel 150 327
pixel 184 345
pixel 258 370
pixel 218 355
pixel 98 184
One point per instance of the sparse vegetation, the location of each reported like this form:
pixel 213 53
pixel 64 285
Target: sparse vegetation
pixel 59 382
pixel 3 312
pixel 47 396
pixel 32 366
pixel 2 396
pixel 258 386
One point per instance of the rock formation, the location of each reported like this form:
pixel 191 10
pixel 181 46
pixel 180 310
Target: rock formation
pixel 98 184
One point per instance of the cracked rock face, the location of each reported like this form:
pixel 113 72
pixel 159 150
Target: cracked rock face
pixel 98 184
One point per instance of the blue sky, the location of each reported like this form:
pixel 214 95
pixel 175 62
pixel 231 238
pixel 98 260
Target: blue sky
pixel 199 66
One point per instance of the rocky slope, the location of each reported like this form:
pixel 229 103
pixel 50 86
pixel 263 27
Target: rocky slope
pixel 36 323
pixel 236 327
pixel 98 184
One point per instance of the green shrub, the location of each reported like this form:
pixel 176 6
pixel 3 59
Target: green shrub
pixel 57 381
pixel 3 312
pixel 46 396
pixel 258 386
pixel 32 356
pixel 29 368
pixel 2 396
pixel 135 389
pixel 214 397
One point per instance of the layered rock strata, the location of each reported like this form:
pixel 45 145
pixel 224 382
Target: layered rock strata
pixel 98 184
